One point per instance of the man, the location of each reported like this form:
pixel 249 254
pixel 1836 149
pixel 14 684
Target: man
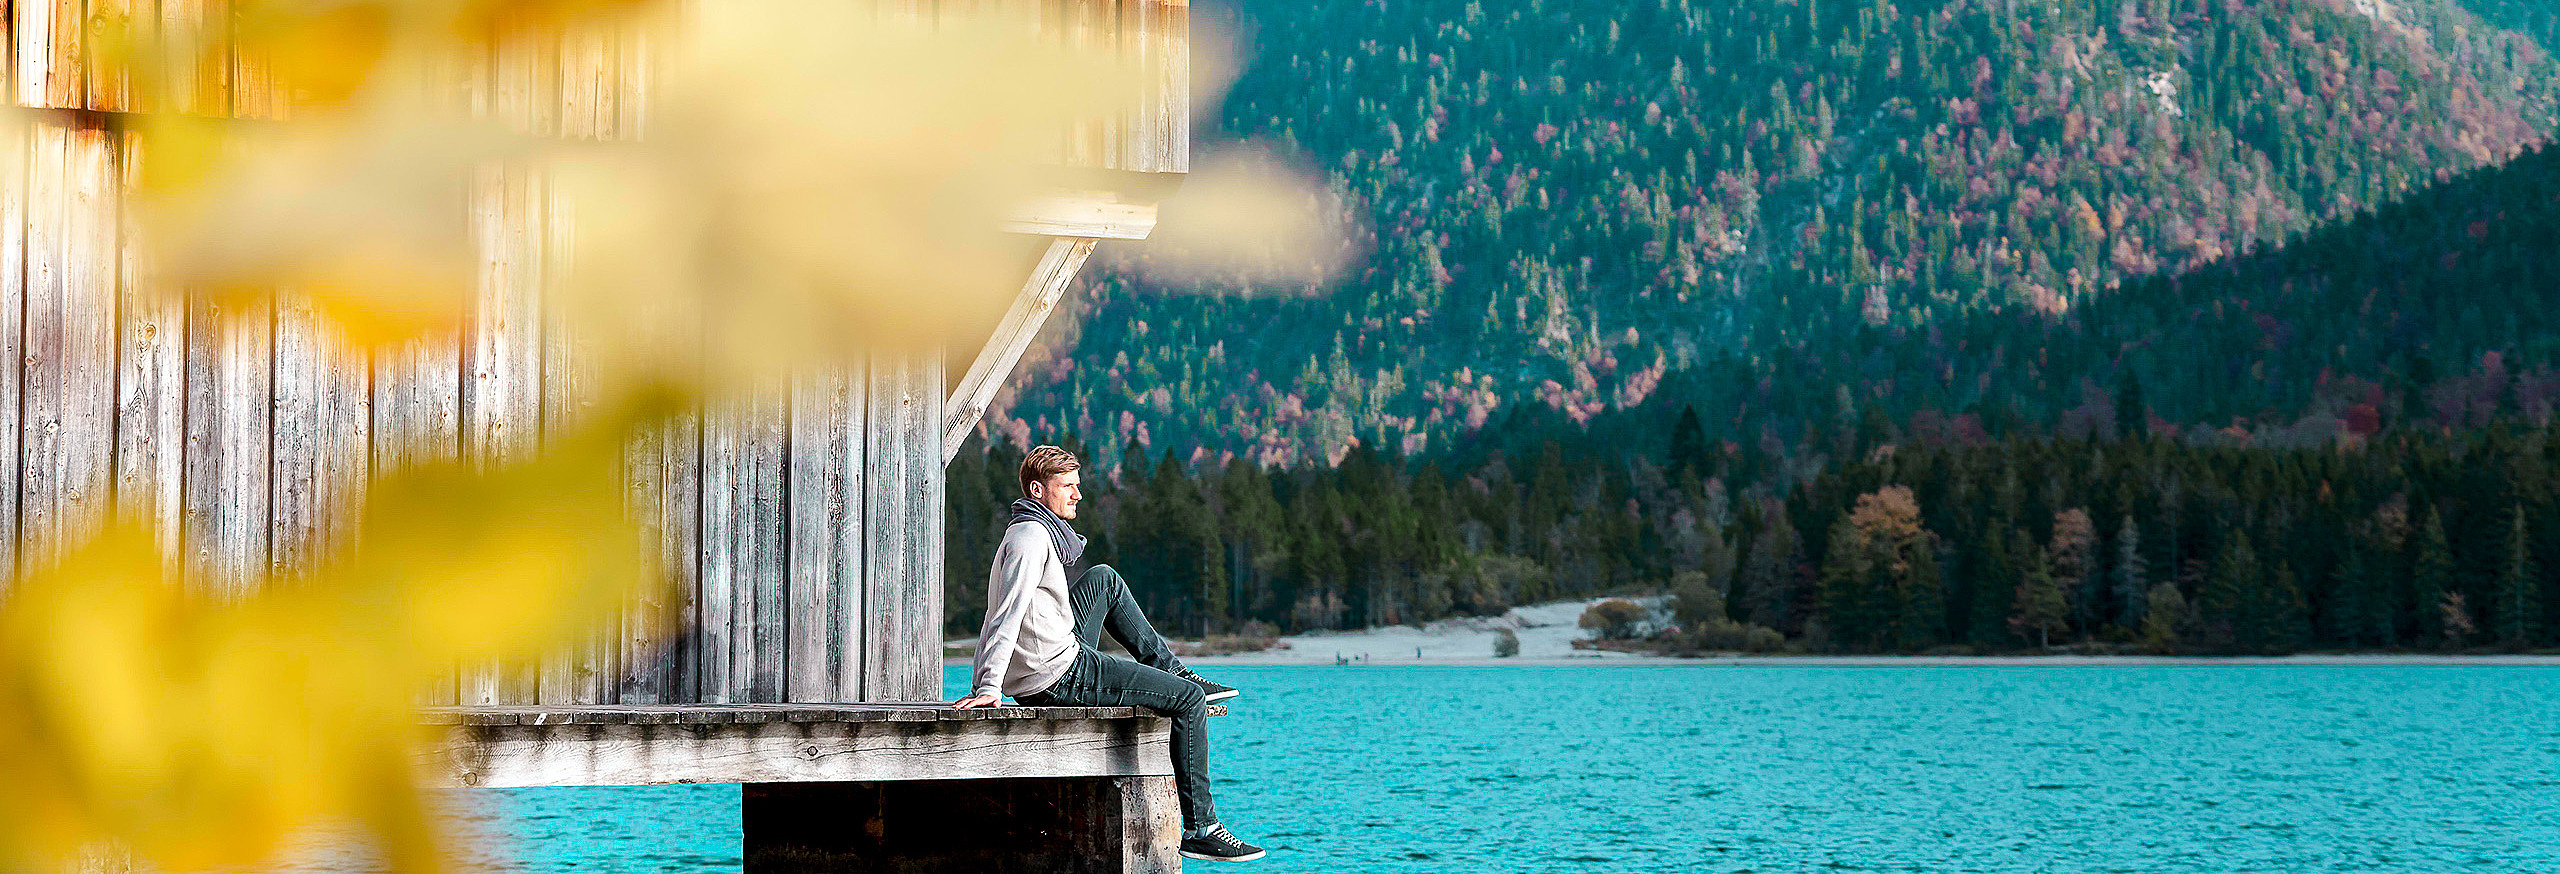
pixel 1040 633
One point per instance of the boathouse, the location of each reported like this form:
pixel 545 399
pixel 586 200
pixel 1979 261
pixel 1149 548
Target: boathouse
pixel 805 534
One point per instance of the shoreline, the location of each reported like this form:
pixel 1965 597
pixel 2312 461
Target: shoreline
pixel 1890 661
pixel 1547 633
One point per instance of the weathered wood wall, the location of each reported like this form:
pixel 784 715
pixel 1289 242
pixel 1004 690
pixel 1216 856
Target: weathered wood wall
pixel 803 528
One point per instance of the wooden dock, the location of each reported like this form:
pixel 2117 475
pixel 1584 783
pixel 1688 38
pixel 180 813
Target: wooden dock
pixel 863 787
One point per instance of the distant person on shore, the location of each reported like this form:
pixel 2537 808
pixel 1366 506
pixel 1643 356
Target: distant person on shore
pixel 1038 644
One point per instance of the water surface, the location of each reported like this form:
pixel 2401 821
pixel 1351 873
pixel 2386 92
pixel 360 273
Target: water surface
pixel 2146 770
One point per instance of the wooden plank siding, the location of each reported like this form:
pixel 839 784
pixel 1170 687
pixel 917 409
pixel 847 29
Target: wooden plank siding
pixel 801 527
pixel 801 524
pixel 67 379
pixel 588 80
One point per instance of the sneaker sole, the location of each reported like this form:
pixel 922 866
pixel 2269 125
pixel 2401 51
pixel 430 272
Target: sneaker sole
pixel 1187 854
pixel 1215 697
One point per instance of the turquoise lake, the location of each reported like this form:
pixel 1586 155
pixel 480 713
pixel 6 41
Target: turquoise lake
pixel 1346 770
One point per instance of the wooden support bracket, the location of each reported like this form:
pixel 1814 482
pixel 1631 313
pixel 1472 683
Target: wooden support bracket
pixel 1013 335
pixel 1101 214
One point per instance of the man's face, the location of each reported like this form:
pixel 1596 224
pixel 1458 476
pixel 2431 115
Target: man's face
pixel 1060 493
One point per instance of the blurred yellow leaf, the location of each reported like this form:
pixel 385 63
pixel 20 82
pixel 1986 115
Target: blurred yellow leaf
pixel 817 180
pixel 203 733
pixel 365 215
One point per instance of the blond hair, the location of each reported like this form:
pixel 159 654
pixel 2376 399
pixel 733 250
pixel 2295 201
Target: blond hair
pixel 1045 462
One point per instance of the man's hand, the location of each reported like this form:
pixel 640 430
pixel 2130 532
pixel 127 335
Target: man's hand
pixel 977 701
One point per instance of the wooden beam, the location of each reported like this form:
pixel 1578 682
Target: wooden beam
pixel 630 754
pixel 1100 214
pixel 1013 335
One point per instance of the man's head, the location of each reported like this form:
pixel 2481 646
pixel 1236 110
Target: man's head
pixel 1049 476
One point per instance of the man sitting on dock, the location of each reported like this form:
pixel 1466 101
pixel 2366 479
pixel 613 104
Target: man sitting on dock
pixel 1038 644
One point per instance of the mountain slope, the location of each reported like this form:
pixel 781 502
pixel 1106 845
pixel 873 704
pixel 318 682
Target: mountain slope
pixel 1574 203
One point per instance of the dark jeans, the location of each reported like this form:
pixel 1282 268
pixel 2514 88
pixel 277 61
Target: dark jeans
pixel 1102 603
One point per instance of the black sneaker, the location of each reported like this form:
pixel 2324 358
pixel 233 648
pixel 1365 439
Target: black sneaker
pixel 1211 692
pixel 1219 845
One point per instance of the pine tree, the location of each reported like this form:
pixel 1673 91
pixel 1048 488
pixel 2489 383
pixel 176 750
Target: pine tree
pixel 2277 615
pixel 1994 588
pixel 2231 599
pixel 2072 552
pixel 2350 619
pixel 2164 613
pixel 1689 445
pixel 2431 579
pixel 2132 415
pixel 1769 574
pixel 2517 610
pixel 2040 609
pixel 1923 607
pixel 2132 575
pixel 1846 585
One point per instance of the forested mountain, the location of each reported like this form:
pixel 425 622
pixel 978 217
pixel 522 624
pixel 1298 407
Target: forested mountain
pixel 1793 213
pixel 2412 507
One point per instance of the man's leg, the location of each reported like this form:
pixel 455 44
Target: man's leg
pixel 1103 603
pixel 1103 681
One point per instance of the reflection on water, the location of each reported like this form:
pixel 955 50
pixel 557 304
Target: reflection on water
pixel 1776 769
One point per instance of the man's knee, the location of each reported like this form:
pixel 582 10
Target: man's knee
pixel 1190 701
pixel 1100 577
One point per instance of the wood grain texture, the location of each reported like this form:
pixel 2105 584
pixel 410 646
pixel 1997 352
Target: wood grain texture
pixel 67 430
pixel 825 571
pixel 760 529
pixel 199 34
pixel 1083 213
pixel 853 560
pixel 1150 825
pixel 1021 324
pixel 45 37
pixel 297 475
pixel 902 516
pixel 744 461
pixel 889 460
pixel 14 191
pixel 798 751
pixel 151 400
pixel 64 83
pixel 502 388
pixel 110 84
pixel 1164 145
pixel 226 477
pixel 717 625
pixel 659 660
pixel 921 634
pixel 321 442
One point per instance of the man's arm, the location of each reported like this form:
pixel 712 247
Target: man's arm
pixel 1016 574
